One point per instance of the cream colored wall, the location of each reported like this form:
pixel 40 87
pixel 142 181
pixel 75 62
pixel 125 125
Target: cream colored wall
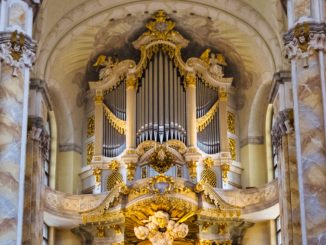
pixel 66 237
pixel 253 159
pixel 68 168
pixel 259 234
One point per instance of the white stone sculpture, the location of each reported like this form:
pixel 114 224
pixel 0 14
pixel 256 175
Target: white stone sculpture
pixel 160 230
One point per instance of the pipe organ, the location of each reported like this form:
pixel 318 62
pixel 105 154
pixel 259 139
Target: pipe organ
pixel 114 103
pixel 208 139
pixel 161 102
pixel 161 127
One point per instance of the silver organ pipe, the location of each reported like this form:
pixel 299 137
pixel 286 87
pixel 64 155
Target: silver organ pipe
pixel 208 140
pixel 113 142
pixel 161 114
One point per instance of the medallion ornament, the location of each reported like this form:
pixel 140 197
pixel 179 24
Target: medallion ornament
pixel 161 160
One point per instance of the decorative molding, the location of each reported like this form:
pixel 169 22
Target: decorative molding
pixel 41 85
pixel 305 38
pixel 206 119
pixel 70 147
pixel 254 140
pixel 284 124
pixel 162 36
pixel 17 50
pixel 117 123
pixel 280 77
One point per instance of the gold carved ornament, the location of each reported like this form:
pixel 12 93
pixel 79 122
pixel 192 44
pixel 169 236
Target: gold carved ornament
pixel 116 123
pixel 161 160
pixel 131 81
pixel 116 228
pixel 131 167
pixel 231 122
pixel 222 94
pixel 225 168
pixel 161 27
pixel 100 231
pixel 208 162
pixel 192 168
pixel 191 80
pixel 114 165
pixel 90 152
pixel 17 44
pixel 205 120
pixel 160 36
pixel 98 99
pixel 233 148
pixel 91 126
pixel 301 33
pixel 97 173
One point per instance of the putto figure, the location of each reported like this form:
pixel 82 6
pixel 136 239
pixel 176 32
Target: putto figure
pixel 160 230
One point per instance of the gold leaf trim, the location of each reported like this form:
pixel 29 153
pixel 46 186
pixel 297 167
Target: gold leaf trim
pixel 116 123
pixel 203 121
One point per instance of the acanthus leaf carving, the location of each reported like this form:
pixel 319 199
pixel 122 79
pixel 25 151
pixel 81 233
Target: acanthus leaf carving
pixel 17 50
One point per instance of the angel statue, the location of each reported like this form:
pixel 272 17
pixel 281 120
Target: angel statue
pixel 215 62
pixel 106 65
pixel 160 230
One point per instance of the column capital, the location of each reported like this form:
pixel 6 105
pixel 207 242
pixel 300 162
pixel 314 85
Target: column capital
pixel 131 81
pixel 223 94
pixel 191 80
pixel 17 50
pixel 99 97
pixel 304 39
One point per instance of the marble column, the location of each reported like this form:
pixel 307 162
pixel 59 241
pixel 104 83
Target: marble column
pixel 283 140
pixel 191 110
pixel 37 148
pixel 16 54
pixel 38 152
pixel 305 45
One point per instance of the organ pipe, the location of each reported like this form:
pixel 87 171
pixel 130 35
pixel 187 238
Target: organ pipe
pixel 113 142
pixel 161 114
pixel 208 140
